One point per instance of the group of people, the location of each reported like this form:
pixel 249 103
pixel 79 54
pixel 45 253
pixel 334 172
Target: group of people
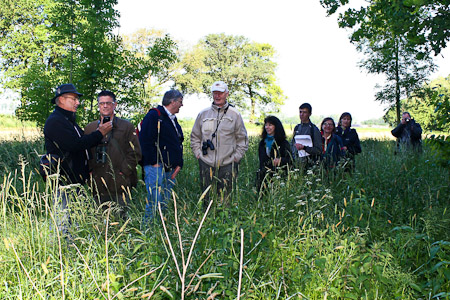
pixel 109 149
pixel 309 145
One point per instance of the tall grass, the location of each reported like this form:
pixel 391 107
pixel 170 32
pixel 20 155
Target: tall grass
pixel 381 233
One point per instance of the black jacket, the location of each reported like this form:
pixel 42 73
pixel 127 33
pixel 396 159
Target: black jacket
pixel 282 151
pixel 408 135
pixel 165 145
pixel 65 138
pixel 350 140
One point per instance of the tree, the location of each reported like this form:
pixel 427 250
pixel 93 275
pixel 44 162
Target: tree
pixel 247 68
pixel 429 105
pixel 158 51
pixel 48 42
pixel 428 26
pixel 379 31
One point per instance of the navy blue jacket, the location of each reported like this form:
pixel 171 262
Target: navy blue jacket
pixel 165 145
pixel 62 138
pixel 350 140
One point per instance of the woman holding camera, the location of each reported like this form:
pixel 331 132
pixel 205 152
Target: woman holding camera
pixel 274 150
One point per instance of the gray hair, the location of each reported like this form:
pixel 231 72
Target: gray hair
pixel 171 96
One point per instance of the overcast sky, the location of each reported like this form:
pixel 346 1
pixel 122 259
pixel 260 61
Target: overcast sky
pixel 316 62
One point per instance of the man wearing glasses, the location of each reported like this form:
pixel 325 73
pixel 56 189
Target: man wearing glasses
pixel 66 140
pixel 114 162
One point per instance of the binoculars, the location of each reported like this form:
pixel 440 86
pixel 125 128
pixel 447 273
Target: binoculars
pixel 206 145
pixel 100 154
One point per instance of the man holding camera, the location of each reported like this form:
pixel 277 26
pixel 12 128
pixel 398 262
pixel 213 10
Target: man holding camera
pixel 113 165
pixel 161 139
pixel 219 141
pixel 408 134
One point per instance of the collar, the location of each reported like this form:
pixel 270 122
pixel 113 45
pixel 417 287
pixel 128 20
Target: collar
pixel 171 116
pixel 215 107
pixel 71 116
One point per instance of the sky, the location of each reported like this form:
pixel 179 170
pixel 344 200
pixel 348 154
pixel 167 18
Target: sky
pixel 316 62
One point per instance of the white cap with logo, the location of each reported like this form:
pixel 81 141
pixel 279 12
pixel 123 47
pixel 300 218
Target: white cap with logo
pixel 219 86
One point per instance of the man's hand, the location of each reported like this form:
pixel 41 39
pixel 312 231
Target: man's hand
pixel 299 146
pixel 175 172
pixel 105 128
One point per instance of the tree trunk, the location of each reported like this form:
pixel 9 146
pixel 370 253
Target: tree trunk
pixel 252 105
pixel 397 83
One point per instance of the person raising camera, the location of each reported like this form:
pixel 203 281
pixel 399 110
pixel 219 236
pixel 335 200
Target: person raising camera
pixel 408 134
pixel 113 166
pixel 219 141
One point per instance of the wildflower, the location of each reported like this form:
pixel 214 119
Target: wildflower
pixel 309 182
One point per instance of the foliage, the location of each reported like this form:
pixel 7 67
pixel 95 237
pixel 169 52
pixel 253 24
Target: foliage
pixel 247 68
pixel 429 106
pixel 60 41
pixel 429 25
pixel 380 32
pixel 381 233
pixel 159 52
pixel 379 122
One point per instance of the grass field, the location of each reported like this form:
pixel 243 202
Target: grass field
pixel 382 233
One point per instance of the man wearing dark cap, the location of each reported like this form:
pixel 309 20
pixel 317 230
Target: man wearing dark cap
pixel 161 139
pixel 65 139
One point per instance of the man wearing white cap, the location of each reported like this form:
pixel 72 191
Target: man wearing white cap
pixel 219 141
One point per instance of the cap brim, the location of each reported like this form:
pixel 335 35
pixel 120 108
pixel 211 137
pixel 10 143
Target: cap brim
pixel 54 98
pixel 218 90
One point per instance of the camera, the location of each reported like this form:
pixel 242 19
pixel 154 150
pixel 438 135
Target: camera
pixel 100 154
pixel 407 120
pixel 206 145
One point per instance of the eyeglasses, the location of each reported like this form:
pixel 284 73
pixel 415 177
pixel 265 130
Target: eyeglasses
pixel 108 103
pixel 72 98
pixel 328 124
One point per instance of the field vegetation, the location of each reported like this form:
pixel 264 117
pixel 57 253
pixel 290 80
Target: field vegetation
pixel 381 233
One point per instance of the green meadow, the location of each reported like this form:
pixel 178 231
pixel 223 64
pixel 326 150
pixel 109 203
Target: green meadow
pixel 381 233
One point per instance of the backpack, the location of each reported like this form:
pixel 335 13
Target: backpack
pixel 139 127
pixel 48 164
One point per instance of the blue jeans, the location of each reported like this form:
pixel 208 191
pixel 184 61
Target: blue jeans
pixel 159 189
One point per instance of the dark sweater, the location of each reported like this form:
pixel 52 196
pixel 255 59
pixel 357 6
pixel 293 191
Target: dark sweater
pixel 65 138
pixel 167 145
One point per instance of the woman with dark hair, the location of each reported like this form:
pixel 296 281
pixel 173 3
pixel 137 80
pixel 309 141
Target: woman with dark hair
pixel 332 146
pixel 274 151
pixel 349 138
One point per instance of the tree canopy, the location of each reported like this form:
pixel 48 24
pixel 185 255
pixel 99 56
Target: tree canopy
pixel 381 31
pixel 247 67
pixel 45 43
pixel 428 23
